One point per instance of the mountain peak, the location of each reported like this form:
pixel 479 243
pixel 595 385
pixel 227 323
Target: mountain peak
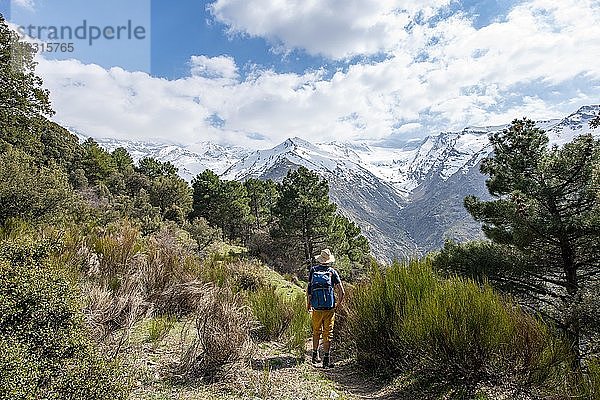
pixel 297 142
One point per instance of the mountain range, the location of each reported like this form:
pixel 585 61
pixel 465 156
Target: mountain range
pixel 407 199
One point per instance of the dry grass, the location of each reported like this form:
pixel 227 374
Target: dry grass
pixel 222 327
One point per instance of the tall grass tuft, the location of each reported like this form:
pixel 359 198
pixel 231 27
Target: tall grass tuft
pixel 407 318
pixel 159 327
pixel 299 327
pixel 591 383
pixel 282 316
pixel 271 310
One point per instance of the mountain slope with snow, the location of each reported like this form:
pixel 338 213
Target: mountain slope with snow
pixel 190 161
pixel 407 199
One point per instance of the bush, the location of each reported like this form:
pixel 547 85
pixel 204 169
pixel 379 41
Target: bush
pixel 131 276
pixel 222 337
pixel 272 311
pixel 45 351
pixel 408 319
pixel 299 326
pixel 29 191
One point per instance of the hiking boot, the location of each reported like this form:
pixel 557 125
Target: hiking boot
pixel 315 357
pixel 327 361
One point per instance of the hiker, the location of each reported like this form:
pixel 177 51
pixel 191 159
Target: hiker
pixel 323 282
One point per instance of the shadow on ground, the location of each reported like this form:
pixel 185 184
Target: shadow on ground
pixel 368 384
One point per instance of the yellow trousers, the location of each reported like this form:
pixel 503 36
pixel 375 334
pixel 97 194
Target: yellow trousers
pixel 322 322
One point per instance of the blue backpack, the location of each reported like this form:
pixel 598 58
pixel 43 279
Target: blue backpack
pixel 321 289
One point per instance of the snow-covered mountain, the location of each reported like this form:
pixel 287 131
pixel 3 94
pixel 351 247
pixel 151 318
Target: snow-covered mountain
pixel 190 160
pixel 407 199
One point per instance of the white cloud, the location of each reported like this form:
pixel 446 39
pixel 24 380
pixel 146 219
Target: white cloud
pixel 540 61
pixel 334 28
pixel 27 4
pixel 215 67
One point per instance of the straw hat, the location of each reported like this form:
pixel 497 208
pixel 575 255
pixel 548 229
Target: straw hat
pixel 325 257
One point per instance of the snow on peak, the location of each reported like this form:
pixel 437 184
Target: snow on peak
pixel 404 166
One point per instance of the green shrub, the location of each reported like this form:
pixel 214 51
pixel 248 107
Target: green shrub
pixel 299 326
pixel 30 191
pixel 376 310
pixel 159 327
pixel 282 316
pixel 271 310
pixel 45 351
pixel 407 318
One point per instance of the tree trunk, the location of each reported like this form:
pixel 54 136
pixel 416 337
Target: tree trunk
pixel 572 326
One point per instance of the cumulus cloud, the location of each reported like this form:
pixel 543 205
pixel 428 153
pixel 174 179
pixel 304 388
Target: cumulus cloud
pixel 333 28
pixel 540 61
pixel 215 67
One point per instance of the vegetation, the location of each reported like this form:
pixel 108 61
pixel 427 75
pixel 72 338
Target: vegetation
pixel 456 334
pixel 546 207
pixel 46 352
pixel 283 223
pixel 103 259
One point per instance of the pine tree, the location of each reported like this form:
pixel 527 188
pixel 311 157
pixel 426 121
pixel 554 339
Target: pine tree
pixel 234 211
pixel 97 163
pixel 546 205
pixel 173 196
pixel 206 189
pixel 224 204
pixel 262 197
pixel 595 122
pixel 304 214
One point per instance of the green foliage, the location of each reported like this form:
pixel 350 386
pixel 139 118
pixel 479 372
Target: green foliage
pixel 21 90
pixel 159 327
pixel 284 224
pixel 481 261
pixel 349 246
pixel 122 160
pixel 206 187
pixel 262 197
pixel 30 191
pixel 591 380
pixel 97 163
pixel 595 122
pixel 281 317
pixel 202 233
pixel 153 168
pixel 407 318
pixel 23 101
pixel 46 353
pixel 59 146
pixel 224 204
pixel 546 206
pixel 172 195
pixel 299 327
pixel 271 310
pixel 304 214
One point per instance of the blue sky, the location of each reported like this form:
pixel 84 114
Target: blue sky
pixel 178 32
pixel 253 72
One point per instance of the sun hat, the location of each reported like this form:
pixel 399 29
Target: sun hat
pixel 325 257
